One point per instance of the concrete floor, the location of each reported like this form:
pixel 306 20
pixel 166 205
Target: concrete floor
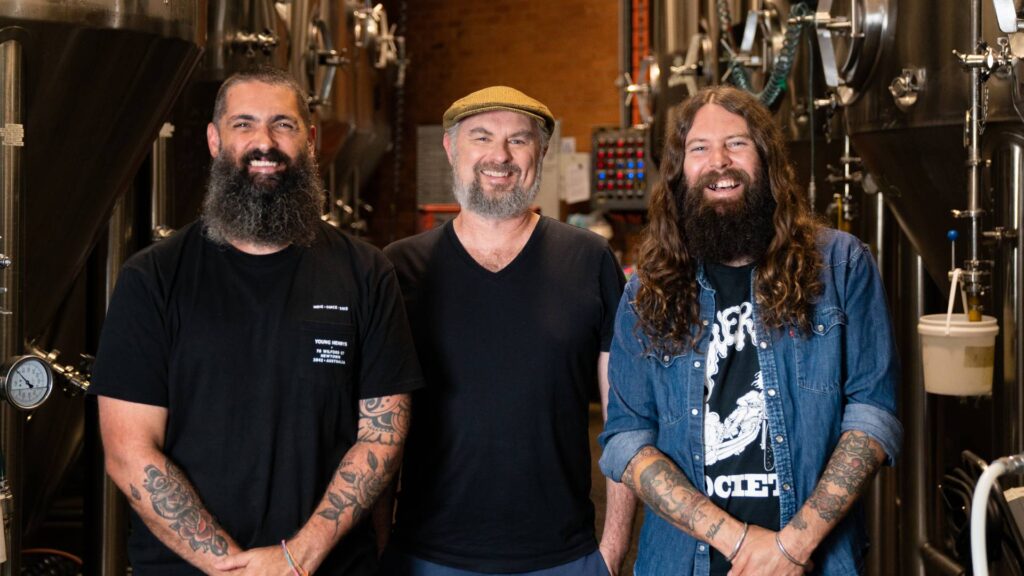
pixel 597 491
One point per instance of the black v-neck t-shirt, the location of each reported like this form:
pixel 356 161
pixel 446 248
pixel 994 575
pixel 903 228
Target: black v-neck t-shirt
pixel 497 470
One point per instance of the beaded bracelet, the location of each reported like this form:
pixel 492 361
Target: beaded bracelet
pixel 736 548
pixel 296 569
pixel 778 542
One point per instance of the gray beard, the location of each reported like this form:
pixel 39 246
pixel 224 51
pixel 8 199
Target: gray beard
pixel 501 205
pixel 276 210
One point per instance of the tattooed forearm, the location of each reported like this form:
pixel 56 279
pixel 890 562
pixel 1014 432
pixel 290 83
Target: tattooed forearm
pixel 852 463
pixel 174 499
pixel 384 420
pixel 362 486
pixel 370 464
pixel 849 471
pixel 830 506
pixel 667 490
pixel 713 531
pixel 798 521
pixel 630 472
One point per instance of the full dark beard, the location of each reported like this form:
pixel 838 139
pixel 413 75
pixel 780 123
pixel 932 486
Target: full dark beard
pixel 728 231
pixel 269 210
pixel 504 204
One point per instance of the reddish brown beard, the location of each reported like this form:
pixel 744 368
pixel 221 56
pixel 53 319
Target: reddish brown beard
pixel 727 230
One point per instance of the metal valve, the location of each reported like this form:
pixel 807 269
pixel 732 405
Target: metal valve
pixel 905 87
pixel 641 90
pixel 265 42
pixel 987 60
pixel 76 378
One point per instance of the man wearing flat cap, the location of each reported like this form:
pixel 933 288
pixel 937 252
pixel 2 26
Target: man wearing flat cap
pixel 512 314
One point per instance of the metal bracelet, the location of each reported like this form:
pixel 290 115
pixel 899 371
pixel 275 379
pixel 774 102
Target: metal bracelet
pixel 778 542
pixel 736 548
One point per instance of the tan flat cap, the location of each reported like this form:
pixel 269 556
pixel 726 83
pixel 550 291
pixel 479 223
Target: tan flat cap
pixel 498 98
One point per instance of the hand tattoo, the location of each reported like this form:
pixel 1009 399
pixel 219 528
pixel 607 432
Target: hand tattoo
pixel 174 499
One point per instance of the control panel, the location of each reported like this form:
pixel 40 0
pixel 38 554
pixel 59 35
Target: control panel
pixel 619 160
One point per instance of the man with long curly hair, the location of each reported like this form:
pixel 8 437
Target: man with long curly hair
pixel 753 366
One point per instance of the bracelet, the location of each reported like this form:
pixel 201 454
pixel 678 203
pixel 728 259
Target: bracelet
pixel 736 548
pixel 778 542
pixel 296 569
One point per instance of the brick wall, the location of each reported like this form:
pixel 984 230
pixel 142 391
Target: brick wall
pixel 562 52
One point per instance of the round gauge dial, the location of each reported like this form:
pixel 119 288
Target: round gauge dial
pixel 27 382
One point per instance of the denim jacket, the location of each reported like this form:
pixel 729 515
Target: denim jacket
pixel 841 376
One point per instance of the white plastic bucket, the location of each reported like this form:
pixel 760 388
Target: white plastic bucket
pixel 960 362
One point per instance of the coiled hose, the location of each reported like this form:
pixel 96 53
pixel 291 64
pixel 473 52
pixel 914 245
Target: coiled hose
pixel 739 76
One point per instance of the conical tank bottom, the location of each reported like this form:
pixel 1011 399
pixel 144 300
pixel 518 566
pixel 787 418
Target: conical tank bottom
pixel 93 101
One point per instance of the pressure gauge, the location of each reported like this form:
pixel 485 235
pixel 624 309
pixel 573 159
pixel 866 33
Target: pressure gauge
pixel 26 382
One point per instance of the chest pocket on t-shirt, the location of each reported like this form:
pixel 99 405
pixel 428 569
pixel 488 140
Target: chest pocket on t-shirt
pixel 328 350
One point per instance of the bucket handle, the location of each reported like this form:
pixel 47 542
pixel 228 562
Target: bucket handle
pixel 954 283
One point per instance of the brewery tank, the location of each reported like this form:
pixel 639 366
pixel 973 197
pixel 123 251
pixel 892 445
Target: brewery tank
pixel 92 81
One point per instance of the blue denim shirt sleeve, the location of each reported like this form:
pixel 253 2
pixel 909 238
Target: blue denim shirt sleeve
pixel 632 412
pixel 872 363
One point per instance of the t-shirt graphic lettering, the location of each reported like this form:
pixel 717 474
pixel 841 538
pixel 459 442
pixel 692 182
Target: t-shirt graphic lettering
pixel 739 464
pixel 327 351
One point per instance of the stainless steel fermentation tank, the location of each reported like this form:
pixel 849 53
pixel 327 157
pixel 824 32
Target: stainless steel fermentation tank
pixel 906 119
pixel 899 93
pixel 86 86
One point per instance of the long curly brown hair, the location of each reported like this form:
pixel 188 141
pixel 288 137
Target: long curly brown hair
pixel 668 299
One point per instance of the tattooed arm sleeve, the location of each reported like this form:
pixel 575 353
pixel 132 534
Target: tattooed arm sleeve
pixel 847 476
pixel 365 471
pixel 157 489
pixel 667 491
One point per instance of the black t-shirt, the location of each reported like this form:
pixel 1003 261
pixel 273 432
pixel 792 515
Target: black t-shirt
pixel 739 465
pixel 496 476
pixel 261 362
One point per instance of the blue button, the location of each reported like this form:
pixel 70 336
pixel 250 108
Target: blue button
pixel 601 176
pixel 639 175
pixel 630 164
pixel 629 176
pixel 640 164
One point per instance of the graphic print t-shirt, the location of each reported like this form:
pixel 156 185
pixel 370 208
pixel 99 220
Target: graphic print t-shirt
pixel 739 465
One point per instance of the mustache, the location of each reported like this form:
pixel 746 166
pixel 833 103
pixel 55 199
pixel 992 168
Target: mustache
pixel 499 167
pixel 270 155
pixel 710 178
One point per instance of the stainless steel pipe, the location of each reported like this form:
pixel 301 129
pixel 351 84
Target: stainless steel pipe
pixel 11 423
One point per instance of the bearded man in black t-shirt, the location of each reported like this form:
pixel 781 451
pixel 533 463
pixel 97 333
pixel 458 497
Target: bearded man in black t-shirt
pixel 512 315
pixel 254 369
